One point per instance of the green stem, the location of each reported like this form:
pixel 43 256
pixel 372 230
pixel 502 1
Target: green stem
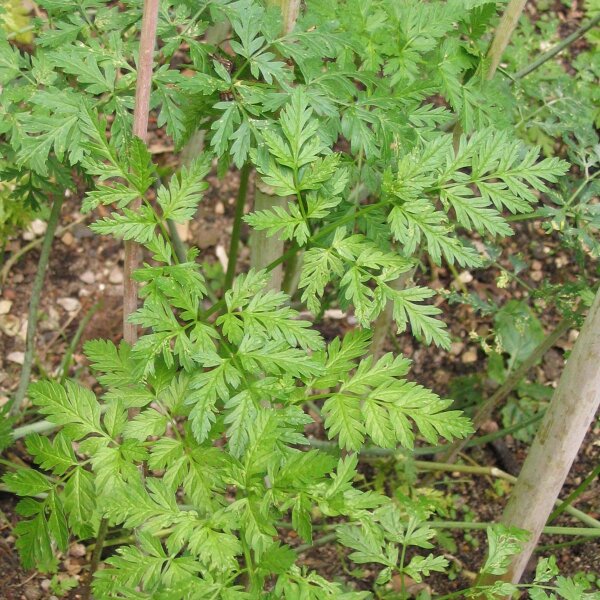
pixel 66 361
pixel 402 578
pixel 592 532
pixel 34 303
pixel 237 225
pixel 177 243
pixel 312 240
pixel 568 501
pixel 96 555
pixel 325 539
pixel 558 48
pixel 485 410
pixel 249 567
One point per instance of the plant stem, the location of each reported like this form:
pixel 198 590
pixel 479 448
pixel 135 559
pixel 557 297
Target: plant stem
pixel 178 244
pixel 485 410
pixel 16 256
pixel 66 361
pixel 568 501
pixel 556 49
pixel 311 242
pixel 264 249
pixel 237 225
pixel 34 303
pixel 577 531
pixel 140 129
pixel 325 539
pixel 384 322
pixel 557 442
pixel 96 555
pixel 132 250
pixel 507 25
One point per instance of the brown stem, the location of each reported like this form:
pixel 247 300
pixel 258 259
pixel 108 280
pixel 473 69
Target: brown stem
pixel 132 251
pixel 140 129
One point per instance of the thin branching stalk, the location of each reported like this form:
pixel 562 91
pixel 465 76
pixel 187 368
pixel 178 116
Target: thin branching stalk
pixel 34 303
pixel 565 43
pixel 384 323
pixel 485 411
pixel 237 225
pixel 132 250
pixel 570 499
pixel 16 256
pixel 565 424
pixel 504 31
pixel 66 361
pixel 587 532
pixel 265 250
pixel 140 129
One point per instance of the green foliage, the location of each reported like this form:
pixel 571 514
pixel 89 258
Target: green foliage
pixel 337 117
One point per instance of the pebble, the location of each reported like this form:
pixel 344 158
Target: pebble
pixel 465 277
pixel 69 304
pixel 88 277
pixel 456 348
pixel 219 208
pixel 470 356
pixel 115 276
pixel 67 239
pixel 77 550
pixel 38 226
pixel 5 306
pixel 16 357
pixel 222 256
pixel 10 325
pixel 537 276
pixel 536 265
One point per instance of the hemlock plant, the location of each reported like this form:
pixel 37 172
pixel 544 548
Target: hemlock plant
pixel 197 442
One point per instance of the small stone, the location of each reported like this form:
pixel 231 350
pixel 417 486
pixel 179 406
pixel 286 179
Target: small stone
pixel 115 276
pixel 5 306
pixel 45 584
pixel 222 256
pixel 69 304
pixel 67 239
pixel 562 261
pixel 465 277
pixel 38 226
pixel 456 348
pixel 470 356
pixel 334 313
pixel 88 277
pixel 536 265
pixel 10 325
pixel 208 238
pixel 77 550
pixel 537 276
pixel 219 208
pixel 32 592
pixel 16 357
